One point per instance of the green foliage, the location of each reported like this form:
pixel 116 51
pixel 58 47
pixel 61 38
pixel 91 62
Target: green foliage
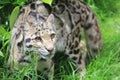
pixel 110 7
pixel 47 1
pixel 1 54
pixel 14 16
pixel 19 2
pixel 5 37
pixel 4 2
pixel 2 30
pixel 14 2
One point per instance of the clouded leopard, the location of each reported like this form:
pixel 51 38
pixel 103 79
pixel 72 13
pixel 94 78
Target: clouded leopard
pixel 43 32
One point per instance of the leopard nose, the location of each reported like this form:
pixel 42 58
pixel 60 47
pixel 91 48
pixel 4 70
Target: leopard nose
pixel 50 49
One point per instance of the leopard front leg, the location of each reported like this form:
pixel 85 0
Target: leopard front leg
pixel 47 67
pixel 77 52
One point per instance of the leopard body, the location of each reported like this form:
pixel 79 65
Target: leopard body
pixel 38 31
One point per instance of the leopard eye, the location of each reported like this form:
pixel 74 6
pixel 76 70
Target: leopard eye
pixel 38 39
pixel 52 35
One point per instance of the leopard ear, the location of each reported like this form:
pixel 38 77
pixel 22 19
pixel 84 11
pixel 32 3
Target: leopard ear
pixel 50 18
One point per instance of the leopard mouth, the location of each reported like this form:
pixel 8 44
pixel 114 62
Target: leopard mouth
pixel 44 53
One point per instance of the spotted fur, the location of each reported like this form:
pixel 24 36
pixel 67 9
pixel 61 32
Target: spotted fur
pixel 36 31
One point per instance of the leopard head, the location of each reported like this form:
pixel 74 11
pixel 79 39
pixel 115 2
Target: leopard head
pixel 45 38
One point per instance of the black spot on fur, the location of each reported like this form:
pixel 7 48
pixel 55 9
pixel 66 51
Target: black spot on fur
pixel 20 44
pixel 22 11
pixel 74 58
pixel 77 30
pixel 82 2
pixel 60 9
pixel 70 52
pixel 27 40
pixel 88 26
pixel 82 24
pixel 22 27
pixel 73 2
pixel 61 24
pixel 32 6
pixel 93 16
pixel 18 34
pixel 69 44
pixel 38 39
pixel 34 14
pixel 76 43
pixel 73 9
pixel 95 50
pixel 78 6
pixel 80 57
pixel 72 47
pixel 79 37
pixel 91 37
pixel 83 11
pixel 87 17
pixel 76 51
pixel 88 9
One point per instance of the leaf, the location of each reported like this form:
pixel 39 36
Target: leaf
pixel 1 7
pixel 5 44
pixel 47 1
pixel 14 16
pixel 7 35
pixel 1 54
pixel 20 2
pixel 4 2
pixel 2 30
